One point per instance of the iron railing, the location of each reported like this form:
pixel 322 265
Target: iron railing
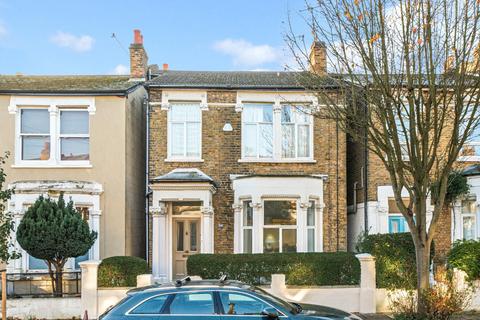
pixel 40 284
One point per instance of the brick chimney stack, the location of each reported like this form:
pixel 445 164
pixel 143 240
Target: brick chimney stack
pixel 318 58
pixel 138 58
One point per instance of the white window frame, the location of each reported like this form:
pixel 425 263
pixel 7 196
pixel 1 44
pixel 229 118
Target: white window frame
pixel 312 203
pixel 296 124
pixel 469 215
pixel 54 105
pixel 170 97
pixel 277 99
pixel 244 227
pixel 170 136
pixel 257 125
pixel 21 135
pixel 281 227
pixel 70 135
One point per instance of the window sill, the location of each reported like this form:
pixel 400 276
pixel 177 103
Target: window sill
pixel 469 158
pixel 183 160
pixel 48 166
pixel 277 160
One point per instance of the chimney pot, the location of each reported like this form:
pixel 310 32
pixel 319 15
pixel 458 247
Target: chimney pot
pixel 165 67
pixel 137 37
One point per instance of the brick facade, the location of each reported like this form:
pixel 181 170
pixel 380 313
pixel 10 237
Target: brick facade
pixel 222 150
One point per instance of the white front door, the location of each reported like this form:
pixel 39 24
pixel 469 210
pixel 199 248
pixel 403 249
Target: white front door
pixel 186 241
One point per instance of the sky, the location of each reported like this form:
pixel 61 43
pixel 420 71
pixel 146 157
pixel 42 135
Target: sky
pixel 75 37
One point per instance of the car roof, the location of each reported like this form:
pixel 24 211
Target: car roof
pixel 193 284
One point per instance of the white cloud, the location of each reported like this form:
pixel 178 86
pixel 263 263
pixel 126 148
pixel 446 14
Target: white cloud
pixel 81 43
pixel 245 53
pixel 121 69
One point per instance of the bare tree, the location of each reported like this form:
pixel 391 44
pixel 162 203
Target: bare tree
pixel 408 74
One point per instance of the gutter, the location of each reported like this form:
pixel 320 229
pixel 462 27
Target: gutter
pixel 123 92
pixel 147 162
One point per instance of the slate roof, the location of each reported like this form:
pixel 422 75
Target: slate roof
pixel 284 80
pixel 184 175
pixel 71 84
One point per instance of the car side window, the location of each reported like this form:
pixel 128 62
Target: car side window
pixel 151 306
pixel 192 303
pixel 241 304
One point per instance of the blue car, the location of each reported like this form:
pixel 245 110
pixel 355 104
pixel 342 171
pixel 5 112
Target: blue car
pixel 213 299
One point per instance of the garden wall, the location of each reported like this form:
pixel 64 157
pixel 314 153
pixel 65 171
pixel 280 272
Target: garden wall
pixel 44 308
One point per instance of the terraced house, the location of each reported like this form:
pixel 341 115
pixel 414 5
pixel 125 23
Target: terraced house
pixel 236 164
pixel 84 136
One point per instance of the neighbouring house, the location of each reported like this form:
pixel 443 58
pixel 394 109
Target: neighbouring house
pixel 236 164
pixel 372 207
pixel 83 136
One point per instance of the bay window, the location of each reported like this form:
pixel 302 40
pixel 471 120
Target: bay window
pixel 185 129
pixel 280 226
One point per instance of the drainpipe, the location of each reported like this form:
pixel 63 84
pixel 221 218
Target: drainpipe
pixel 147 160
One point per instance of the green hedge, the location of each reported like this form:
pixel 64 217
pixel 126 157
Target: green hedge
pixel 121 271
pixel 316 269
pixel 394 258
pixel 465 255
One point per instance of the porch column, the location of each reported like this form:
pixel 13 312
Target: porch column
pixel 237 227
pixel 207 235
pixel 160 257
pixel 16 265
pixel 95 226
pixel 319 207
pixel 302 226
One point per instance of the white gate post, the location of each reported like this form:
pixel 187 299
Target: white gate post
pixel 367 283
pixel 89 300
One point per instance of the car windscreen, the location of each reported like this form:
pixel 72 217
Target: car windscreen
pixel 276 300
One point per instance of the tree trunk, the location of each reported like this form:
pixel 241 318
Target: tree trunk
pixel 59 283
pixel 422 251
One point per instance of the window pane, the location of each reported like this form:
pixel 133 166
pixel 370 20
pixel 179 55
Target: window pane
pixel 180 232
pixel 303 141
pixel 258 113
pixel 192 304
pixel 193 236
pixel 287 116
pixel 311 240
pixel 247 213
pixel 75 122
pixel 193 139
pixel 469 206
pixel 35 121
pixel 250 140
pixel 267 114
pixel 36 264
pixel 178 112
pixel 151 306
pixel 265 141
pixel 250 113
pixel 302 114
pixel 186 208
pixel 311 214
pixel 289 240
pixel 247 241
pixel 177 139
pixel 280 212
pixel 75 148
pixel 469 228
pixel 239 304
pixel 271 240
pixel 35 148
pixel 193 112
pixel 288 141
